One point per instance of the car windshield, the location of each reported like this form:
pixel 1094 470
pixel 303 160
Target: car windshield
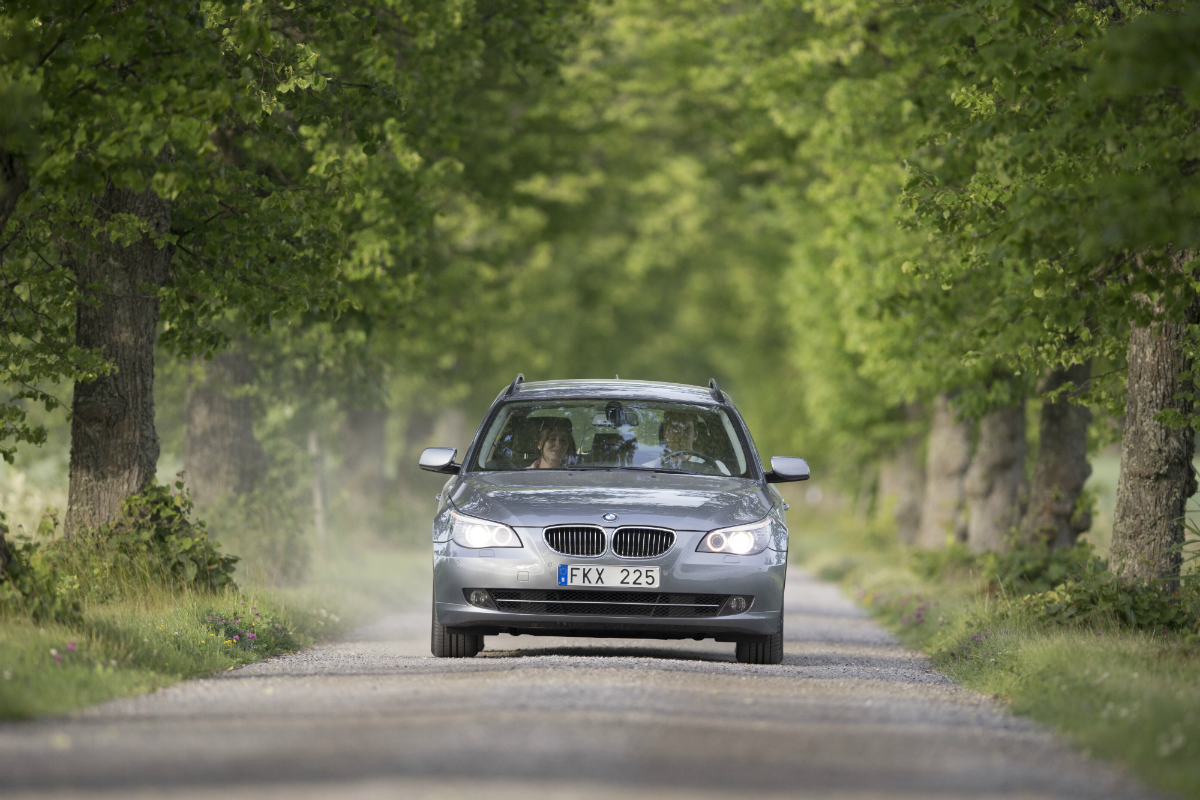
pixel 613 434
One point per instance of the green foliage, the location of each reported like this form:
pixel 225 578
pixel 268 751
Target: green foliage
pixel 30 583
pixel 153 544
pixel 1021 570
pixel 302 149
pixel 155 535
pixel 1094 595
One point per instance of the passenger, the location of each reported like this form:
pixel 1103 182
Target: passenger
pixel 555 444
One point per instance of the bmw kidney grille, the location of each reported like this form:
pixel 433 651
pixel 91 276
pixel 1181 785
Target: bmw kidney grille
pixel 576 540
pixel 642 542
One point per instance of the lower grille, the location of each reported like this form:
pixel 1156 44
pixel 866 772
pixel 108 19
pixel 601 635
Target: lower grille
pixel 642 542
pixel 616 604
pixel 576 540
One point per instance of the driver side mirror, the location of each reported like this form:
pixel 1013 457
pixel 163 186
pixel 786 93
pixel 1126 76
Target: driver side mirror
pixel 440 459
pixel 784 469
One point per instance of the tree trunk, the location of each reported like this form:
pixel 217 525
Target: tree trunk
pixel 221 455
pixel 114 449
pixel 902 482
pixel 946 461
pixel 1062 466
pixel 1157 478
pixel 995 482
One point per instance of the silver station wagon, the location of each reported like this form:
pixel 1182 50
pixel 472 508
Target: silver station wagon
pixel 610 508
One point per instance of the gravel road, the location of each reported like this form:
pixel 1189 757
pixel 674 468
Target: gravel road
pixel 849 714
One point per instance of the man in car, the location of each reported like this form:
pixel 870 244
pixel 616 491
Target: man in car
pixel 679 441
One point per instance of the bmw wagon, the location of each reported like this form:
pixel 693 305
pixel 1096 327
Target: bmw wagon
pixel 610 508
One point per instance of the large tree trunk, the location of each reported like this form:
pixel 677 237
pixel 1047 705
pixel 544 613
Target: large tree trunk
pixel 1062 466
pixel 995 483
pixel 902 482
pixel 114 449
pixel 946 461
pixel 1157 478
pixel 221 456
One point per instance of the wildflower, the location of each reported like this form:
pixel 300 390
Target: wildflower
pixel 71 647
pixel 235 638
pixel 56 654
pixel 256 613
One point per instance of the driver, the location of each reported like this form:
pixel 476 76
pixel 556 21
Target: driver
pixel 679 440
pixel 554 444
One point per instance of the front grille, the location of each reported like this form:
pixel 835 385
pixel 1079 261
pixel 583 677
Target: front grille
pixel 614 604
pixel 642 542
pixel 576 540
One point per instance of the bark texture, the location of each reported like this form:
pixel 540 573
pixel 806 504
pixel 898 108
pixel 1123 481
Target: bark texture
pixel 995 483
pixel 221 456
pixel 946 461
pixel 13 183
pixel 1061 468
pixel 114 448
pixel 902 482
pixel 1157 478
pixel 5 555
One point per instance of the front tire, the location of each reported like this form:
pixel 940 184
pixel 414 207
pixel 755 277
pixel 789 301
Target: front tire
pixel 762 649
pixel 447 644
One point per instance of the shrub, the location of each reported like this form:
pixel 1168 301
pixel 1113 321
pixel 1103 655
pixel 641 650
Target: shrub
pixel 155 534
pixel 1094 594
pixel 153 542
pixel 30 584
pixel 1025 569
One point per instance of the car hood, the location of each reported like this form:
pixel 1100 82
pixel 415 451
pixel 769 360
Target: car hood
pixel 537 498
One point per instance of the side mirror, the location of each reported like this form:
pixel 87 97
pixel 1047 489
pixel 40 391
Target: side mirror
pixel 439 459
pixel 784 469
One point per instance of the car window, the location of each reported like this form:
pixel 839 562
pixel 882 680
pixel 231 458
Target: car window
pixel 605 434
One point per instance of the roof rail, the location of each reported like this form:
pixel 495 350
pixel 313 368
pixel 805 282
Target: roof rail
pixel 717 394
pixel 517 381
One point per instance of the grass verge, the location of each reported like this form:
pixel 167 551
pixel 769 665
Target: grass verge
pixel 1129 696
pixel 123 647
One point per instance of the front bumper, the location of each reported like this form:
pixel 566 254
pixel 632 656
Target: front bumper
pixel 534 566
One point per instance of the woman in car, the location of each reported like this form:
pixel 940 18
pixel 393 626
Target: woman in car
pixel 555 444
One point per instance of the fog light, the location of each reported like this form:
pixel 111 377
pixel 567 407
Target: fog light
pixel 737 605
pixel 480 598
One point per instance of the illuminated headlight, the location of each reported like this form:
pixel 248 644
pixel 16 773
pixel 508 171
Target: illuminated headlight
pixel 477 533
pixel 740 540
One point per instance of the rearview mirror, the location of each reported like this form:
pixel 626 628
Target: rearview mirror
pixel 784 469
pixel 439 459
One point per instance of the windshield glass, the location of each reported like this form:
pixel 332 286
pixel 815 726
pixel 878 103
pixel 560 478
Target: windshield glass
pixel 606 434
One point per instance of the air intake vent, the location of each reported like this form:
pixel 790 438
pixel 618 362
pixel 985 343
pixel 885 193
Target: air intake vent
pixel 576 540
pixel 642 542
pixel 609 603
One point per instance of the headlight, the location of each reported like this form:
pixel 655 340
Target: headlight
pixel 740 540
pixel 477 533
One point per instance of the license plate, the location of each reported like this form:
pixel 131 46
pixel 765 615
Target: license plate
pixel 607 577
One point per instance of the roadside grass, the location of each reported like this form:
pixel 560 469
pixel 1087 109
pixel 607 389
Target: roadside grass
pixel 1131 697
pixel 133 643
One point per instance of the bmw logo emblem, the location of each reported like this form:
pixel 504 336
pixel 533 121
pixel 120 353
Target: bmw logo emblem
pixel 610 517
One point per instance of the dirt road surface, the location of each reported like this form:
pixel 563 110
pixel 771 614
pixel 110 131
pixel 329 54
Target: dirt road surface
pixel 850 714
